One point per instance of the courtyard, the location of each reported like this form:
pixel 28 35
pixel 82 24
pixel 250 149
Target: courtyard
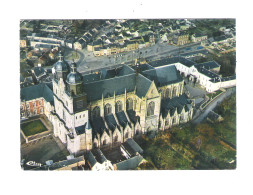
pixel 33 127
pixel 42 150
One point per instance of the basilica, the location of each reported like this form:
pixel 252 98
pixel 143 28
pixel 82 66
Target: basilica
pixel 105 108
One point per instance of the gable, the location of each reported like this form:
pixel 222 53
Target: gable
pixel 152 92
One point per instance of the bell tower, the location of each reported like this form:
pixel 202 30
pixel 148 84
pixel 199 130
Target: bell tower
pixel 75 89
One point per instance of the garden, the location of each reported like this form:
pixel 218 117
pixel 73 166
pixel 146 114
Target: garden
pixel 33 127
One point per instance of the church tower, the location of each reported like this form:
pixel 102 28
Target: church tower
pixel 70 101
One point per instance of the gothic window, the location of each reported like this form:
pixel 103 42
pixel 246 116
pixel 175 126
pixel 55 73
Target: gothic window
pixel 126 135
pixel 108 109
pixel 151 109
pixel 40 103
pixel 174 120
pixel 168 93
pixel 34 104
pixel 116 138
pixel 175 91
pixel 166 122
pixel 96 112
pixel 95 145
pixel 118 106
pixel 104 142
pixel 129 104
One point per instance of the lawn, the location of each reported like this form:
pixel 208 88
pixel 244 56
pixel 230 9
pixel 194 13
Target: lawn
pixel 33 127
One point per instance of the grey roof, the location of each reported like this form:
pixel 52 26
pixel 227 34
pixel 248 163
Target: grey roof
pixel 109 86
pixel 39 71
pixel 111 122
pixel 61 65
pixel 208 65
pixel 121 116
pixel 74 78
pixel 130 163
pixel 80 130
pixel 206 72
pixel 163 75
pixel 98 126
pixel 170 105
pixel 134 145
pixel 37 91
pixel 91 159
pixel 132 116
pixel 173 60
pixel 99 156
pixel 142 85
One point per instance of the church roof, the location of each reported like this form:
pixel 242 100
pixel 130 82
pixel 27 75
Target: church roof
pixel 170 105
pixel 121 116
pixel 163 75
pixel 111 122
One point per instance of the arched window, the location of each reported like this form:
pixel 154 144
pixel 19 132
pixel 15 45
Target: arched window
pixel 116 138
pixel 168 93
pixel 137 132
pixel 104 142
pixel 126 135
pixel 129 104
pixel 118 106
pixel 174 120
pixel 96 112
pixel 95 145
pixel 166 122
pixel 108 109
pixel 175 91
pixel 151 109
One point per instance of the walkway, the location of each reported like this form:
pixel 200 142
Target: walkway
pixel 213 104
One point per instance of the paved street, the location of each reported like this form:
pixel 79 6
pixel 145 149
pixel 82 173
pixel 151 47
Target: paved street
pixel 213 104
pixel 89 62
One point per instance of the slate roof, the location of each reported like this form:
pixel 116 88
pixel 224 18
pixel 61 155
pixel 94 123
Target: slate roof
pixel 99 156
pixel 130 163
pixel 108 87
pixel 134 145
pixel 132 116
pixel 208 65
pixel 91 159
pixel 98 125
pixel 170 105
pixel 111 122
pixel 39 71
pixel 173 60
pixel 121 116
pixel 37 91
pixel 206 72
pixel 163 75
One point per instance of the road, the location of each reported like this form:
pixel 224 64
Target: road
pixel 88 62
pixel 213 104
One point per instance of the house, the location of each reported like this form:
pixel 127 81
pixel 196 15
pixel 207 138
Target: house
pixel 80 44
pixel 39 73
pixel 23 43
pixel 97 161
pixel 198 37
pixel 213 117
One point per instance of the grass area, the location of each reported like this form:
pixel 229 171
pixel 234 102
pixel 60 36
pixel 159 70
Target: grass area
pixel 204 146
pixel 33 127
